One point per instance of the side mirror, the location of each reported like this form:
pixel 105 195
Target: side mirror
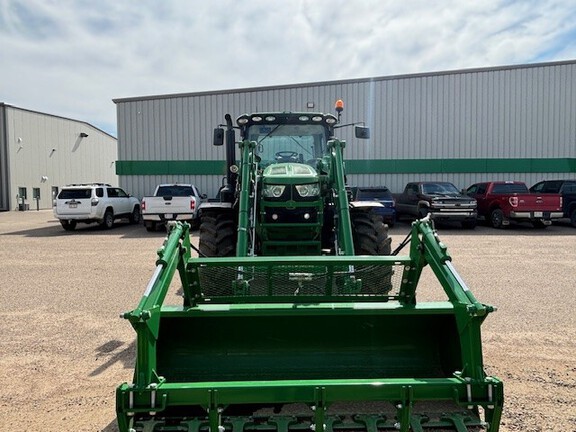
pixel 362 132
pixel 218 137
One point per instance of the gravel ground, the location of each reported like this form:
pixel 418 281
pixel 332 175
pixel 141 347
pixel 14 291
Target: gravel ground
pixel 64 348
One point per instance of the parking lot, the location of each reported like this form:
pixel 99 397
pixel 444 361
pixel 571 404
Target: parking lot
pixel 65 349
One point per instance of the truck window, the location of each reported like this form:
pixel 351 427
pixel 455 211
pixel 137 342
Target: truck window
pixel 75 194
pixel 175 191
pixel 568 188
pixel 508 188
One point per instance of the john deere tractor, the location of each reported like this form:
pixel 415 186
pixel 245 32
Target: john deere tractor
pixel 288 196
pixel 295 314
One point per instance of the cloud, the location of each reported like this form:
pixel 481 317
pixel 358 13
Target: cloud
pixel 72 58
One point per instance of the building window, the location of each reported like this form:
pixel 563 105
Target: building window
pixel 22 193
pixel 36 193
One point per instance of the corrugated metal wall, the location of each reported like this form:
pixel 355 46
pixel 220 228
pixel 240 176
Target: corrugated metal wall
pixel 520 112
pixel 47 151
pixel 4 167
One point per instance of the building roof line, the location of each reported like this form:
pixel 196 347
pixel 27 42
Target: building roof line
pixel 2 104
pixel 347 81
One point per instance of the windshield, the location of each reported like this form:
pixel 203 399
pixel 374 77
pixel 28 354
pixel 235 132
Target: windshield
pixel 278 143
pixel 440 189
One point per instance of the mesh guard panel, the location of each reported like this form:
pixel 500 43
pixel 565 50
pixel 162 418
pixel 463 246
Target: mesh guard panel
pixel 281 280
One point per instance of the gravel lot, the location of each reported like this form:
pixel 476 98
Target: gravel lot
pixel 64 348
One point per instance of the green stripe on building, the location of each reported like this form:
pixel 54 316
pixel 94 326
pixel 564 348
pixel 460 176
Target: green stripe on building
pixel 367 166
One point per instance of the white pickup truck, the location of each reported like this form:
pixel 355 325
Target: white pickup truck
pixel 171 202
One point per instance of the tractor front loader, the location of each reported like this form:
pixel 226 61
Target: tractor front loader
pixel 295 314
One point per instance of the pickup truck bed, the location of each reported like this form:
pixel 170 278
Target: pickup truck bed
pixel 171 202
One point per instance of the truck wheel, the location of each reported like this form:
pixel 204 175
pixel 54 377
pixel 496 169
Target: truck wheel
pixel 497 218
pixel 573 218
pixel 217 235
pixel 68 225
pixel 108 220
pixel 134 217
pixel 370 236
pixel 150 226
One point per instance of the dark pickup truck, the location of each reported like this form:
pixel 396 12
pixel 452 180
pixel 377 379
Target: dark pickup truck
pixel 501 202
pixel 442 200
pixel 566 188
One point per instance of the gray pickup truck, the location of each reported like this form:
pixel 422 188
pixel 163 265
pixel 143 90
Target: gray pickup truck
pixel 442 200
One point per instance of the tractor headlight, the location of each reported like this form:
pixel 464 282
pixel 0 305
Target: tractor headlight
pixel 273 191
pixel 308 190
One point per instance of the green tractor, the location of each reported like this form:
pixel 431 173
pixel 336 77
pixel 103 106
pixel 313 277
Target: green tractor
pixel 296 316
pixel 289 195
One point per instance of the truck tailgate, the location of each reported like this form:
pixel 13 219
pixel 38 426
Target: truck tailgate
pixel 537 202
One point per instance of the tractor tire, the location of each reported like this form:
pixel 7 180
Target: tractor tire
pixel 217 239
pixel 497 218
pixel 217 235
pixel 370 236
pixel 68 225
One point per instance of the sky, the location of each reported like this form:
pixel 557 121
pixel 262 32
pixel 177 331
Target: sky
pixel 72 58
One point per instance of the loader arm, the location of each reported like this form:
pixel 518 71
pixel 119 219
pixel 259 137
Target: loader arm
pixel 337 174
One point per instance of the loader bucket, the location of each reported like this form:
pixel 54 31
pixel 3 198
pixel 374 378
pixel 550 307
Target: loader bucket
pixel 301 344
pixel 285 343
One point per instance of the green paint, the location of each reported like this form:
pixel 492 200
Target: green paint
pixel 368 166
pixel 288 337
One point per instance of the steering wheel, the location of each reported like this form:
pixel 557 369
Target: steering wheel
pixel 287 155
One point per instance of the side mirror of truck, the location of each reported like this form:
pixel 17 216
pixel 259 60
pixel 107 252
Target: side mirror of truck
pixel 362 132
pixel 218 137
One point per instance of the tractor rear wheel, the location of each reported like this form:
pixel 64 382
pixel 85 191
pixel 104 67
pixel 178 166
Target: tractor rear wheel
pixel 217 235
pixel 370 236
pixel 217 239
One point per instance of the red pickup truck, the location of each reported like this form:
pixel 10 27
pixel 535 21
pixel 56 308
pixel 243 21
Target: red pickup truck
pixel 504 201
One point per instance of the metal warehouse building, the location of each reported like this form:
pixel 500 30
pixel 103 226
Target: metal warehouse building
pixel 505 123
pixel 39 153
